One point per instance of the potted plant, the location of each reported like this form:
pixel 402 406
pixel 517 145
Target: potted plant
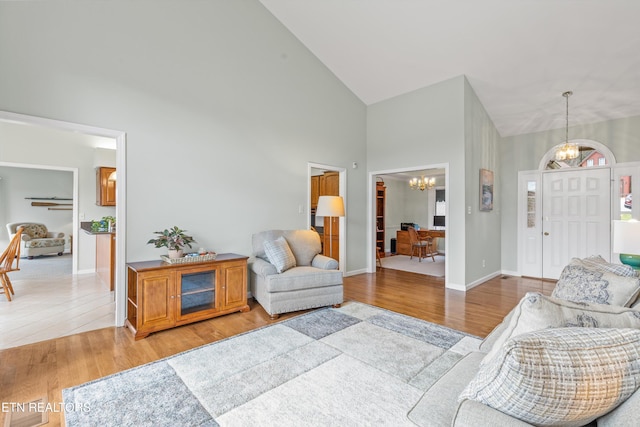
pixel 174 239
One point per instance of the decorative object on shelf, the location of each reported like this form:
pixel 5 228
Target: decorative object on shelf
pixel 486 190
pixel 174 239
pixel 190 257
pixel 330 206
pixel 626 242
pixel 567 151
pixel 422 183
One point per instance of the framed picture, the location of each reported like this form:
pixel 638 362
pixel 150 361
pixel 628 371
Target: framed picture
pixel 486 190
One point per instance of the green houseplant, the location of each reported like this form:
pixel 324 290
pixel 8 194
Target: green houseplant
pixel 174 239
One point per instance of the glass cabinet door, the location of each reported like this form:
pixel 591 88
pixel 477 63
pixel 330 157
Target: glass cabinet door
pixel 197 291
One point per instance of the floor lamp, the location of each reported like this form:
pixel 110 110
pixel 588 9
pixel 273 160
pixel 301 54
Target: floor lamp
pixel 626 242
pixel 332 207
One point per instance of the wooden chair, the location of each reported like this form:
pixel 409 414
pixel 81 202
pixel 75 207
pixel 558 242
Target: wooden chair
pixel 378 259
pixel 9 261
pixel 423 245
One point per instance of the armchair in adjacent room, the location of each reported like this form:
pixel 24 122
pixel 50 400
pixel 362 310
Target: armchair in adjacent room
pixel 37 240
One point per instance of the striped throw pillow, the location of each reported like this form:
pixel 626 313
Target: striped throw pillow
pixel 279 254
pixel 560 376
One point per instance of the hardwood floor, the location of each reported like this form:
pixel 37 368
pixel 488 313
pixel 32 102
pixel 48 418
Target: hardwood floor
pixel 45 368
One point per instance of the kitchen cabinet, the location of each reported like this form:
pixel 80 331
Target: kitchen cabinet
pixel 105 186
pixel 106 257
pixel 162 295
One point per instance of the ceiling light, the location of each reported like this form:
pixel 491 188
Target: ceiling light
pixel 567 151
pixel 422 183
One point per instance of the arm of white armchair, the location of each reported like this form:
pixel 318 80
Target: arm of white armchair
pixel 324 262
pixel 262 267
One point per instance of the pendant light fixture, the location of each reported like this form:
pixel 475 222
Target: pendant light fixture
pixel 567 151
pixel 422 183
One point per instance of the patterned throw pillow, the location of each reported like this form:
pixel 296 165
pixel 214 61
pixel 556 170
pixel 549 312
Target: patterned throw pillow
pixel 580 283
pixel 35 231
pixel 536 311
pixel 279 254
pixel 561 376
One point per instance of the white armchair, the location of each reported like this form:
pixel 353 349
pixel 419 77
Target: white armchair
pixel 37 240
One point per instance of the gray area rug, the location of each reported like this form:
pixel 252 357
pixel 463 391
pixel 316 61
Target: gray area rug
pixel 354 366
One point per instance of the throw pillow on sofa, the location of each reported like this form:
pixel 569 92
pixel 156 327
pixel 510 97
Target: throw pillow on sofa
pixel 560 376
pixel 279 254
pixel 536 311
pixel 581 282
pixel 596 262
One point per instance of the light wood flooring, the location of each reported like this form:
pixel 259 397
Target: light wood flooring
pixel 45 368
pixel 50 302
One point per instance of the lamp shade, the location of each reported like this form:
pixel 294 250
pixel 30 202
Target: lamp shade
pixel 626 237
pixel 330 206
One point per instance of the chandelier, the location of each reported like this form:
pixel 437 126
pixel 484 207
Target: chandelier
pixel 568 150
pixel 422 183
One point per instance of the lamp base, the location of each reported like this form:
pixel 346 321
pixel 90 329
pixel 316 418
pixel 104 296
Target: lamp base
pixel 632 261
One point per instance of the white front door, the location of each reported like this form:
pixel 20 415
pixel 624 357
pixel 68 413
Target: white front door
pixel 576 217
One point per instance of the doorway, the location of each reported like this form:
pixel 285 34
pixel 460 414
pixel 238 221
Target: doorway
pixel 332 230
pixel 425 208
pixel 565 210
pixel 120 140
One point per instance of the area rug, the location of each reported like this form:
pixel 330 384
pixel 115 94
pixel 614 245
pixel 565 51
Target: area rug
pixel 405 263
pixel 355 365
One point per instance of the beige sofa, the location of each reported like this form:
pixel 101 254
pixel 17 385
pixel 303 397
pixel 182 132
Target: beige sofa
pixel 37 239
pixel 487 386
pixel 312 281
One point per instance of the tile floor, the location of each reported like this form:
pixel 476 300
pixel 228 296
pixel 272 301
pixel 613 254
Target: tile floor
pixel 50 302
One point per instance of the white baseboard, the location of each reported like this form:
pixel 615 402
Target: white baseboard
pixel 86 271
pixel 355 272
pixel 483 279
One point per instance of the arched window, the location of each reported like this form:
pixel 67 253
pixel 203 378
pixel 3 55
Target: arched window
pixel 590 154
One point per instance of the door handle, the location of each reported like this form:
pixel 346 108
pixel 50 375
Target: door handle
pixel 546 233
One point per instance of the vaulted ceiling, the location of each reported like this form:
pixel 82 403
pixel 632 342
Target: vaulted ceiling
pixel 518 55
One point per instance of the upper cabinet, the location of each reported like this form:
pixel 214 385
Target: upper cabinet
pixel 105 186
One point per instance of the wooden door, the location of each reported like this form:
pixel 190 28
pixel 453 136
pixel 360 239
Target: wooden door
pixel 234 288
pixel 315 191
pixel 331 243
pixel 576 217
pixel 157 291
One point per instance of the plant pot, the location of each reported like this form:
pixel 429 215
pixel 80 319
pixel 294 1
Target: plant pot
pixel 175 253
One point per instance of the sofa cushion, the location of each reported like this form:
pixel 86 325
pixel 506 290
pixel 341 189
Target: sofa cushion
pixel 580 282
pixel 44 243
pixel 560 376
pixel 302 278
pixel 280 254
pixel 536 311
pixel 305 245
pixel 35 231
pixel 438 404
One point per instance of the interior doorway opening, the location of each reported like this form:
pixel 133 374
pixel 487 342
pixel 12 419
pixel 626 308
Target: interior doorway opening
pixel 407 203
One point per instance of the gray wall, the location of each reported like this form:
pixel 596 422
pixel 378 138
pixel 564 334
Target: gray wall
pixel 524 152
pixel 482 227
pixel 222 107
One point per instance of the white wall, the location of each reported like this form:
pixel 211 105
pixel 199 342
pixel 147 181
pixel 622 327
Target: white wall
pixel 222 108
pixel 19 183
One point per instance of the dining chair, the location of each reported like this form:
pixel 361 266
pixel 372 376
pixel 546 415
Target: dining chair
pixel 10 261
pixel 416 243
